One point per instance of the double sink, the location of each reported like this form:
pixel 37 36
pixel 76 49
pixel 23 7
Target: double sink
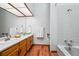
pixel 8 39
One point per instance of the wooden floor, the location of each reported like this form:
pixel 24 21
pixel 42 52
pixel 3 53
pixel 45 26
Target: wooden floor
pixel 40 50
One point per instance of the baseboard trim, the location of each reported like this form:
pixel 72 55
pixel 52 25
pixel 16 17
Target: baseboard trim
pixel 54 51
pixel 42 44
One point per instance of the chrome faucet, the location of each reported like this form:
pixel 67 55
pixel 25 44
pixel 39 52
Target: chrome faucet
pixel 48 35
pixel 6 35
pixel 69 43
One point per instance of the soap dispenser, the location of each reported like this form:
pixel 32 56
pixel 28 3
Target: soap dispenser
pixel 17 34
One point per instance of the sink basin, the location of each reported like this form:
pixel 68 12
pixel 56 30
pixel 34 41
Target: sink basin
pixel 5 38
pixel 2 41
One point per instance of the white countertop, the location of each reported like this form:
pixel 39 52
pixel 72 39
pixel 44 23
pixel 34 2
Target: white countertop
pixel 12 41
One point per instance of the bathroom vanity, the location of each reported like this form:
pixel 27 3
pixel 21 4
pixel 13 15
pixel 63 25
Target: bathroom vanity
pixel 16 46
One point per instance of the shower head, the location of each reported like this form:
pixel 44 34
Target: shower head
pixel 69 10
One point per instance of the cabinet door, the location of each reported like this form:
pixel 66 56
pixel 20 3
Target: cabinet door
pixel 9 50
pixel 14 53
pixel 29 42
pixel 22 48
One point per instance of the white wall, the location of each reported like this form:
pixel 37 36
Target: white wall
pixel 40 19
pixel 68 26
pixel 64 26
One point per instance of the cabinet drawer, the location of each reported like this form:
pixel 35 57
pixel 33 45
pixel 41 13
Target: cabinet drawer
pixel 22 47
pixel 23 42
pixel 9 50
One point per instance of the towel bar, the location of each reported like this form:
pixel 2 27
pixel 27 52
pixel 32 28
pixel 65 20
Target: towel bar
pixel 40 37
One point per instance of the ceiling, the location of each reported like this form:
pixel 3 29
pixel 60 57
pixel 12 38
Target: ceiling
pixel 18 9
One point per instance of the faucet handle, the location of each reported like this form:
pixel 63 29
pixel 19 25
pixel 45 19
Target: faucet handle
pixel 71 41
pixel 65 41
pixel 5 34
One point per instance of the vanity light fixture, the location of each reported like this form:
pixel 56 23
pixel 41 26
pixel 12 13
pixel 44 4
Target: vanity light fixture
pixel 18 9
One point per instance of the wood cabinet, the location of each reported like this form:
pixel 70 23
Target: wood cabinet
pixel 25 45
pixel 29 43
pixel 18 49
pixel 14 53
pixel 11 51
pixel 22 48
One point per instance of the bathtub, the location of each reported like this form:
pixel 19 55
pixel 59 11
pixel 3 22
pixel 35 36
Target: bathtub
pixel 64 50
